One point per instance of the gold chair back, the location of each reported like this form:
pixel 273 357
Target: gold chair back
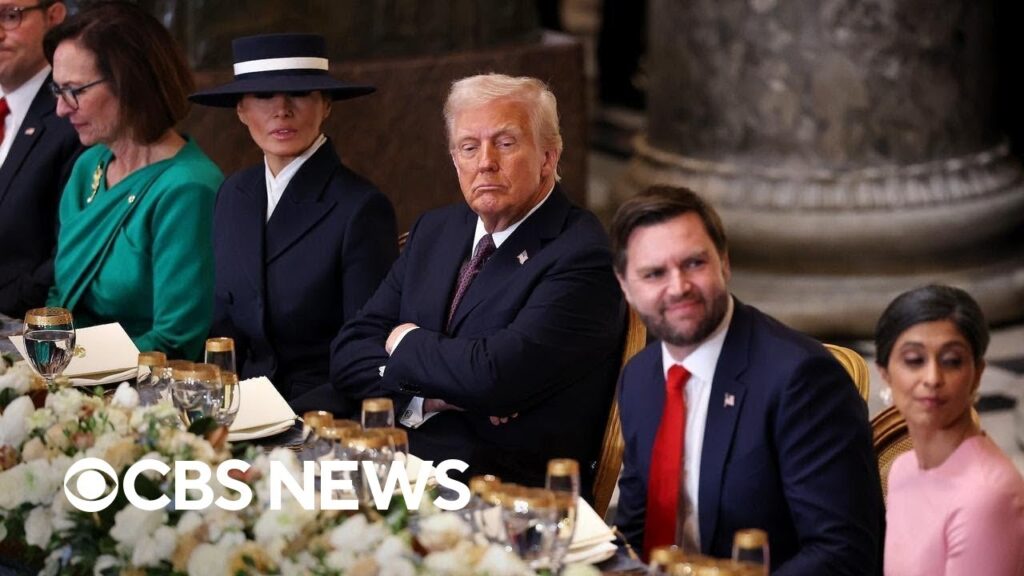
pixel 856 366
pixel 610 461
pixel 890 438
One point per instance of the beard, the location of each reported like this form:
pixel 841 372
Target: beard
pixel 659 326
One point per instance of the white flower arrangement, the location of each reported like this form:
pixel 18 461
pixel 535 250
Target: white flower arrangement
pixel 36 515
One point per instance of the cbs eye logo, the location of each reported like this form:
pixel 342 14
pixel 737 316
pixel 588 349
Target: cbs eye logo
pixel 87 494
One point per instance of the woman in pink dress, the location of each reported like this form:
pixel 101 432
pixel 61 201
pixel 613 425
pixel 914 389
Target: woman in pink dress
pixel 955 502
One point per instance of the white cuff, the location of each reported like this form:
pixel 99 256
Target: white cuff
pixel 413 417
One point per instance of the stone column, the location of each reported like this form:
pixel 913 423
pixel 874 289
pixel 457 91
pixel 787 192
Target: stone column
pixel 850 146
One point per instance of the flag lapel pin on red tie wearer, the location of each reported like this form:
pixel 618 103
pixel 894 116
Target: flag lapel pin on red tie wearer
pixel 730 400
pixel 523 257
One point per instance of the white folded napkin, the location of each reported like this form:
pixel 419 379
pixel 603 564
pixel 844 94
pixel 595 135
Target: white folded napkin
pixel 263 411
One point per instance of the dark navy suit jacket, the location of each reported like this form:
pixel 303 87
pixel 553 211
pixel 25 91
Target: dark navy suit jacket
pixel 285 287
pixel 31 181
pixel 537 333
pixel 791 456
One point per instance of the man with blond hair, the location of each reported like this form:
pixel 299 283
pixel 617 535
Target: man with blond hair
pixel 497 329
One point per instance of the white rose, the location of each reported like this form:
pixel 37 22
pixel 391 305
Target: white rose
pixel 209 559
pixel 188 522
pixel 65 403
pixel 284 524
pixel 151 550
pixel 397 567
pixel 442 531
pixel 390 550
pixel 33 482
pixel 496 561
pixel 19 377
pixel 41 419
pixel 104 562
pixel 132 524
pixel 340 560
pixel 38 527
pixel 126 396
pixel 357 535
pixel 451 562
pixel 14 421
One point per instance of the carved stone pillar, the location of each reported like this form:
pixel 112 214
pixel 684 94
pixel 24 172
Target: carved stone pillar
pixel 850 146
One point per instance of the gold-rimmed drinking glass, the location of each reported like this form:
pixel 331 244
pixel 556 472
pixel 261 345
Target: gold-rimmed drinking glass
pixel 230 399
pixel 750 546
pixel 374 448
pixel 484 509
pixel 662 558
pixel 49 341
pixel 378 413
pixel 531 523
pixel 398 438
pixel 147 376
pixel 563 479
pixel 221 353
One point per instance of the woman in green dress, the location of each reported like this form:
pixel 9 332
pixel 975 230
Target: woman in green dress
pixel 135 218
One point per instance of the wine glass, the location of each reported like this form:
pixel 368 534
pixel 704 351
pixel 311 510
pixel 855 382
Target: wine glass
pixel 750 547
pixel 531 523
pixel 221 353
pixel 563 480
pixel 49 341
pixel 378 413
pixel 230 399
pixel 147 376
pixel 484 511
pixel 662 558
pixel 375 448
pixel 398 438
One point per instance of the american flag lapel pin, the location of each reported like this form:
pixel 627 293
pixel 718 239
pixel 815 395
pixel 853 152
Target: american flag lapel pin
pixel 523 257
pixel 730 401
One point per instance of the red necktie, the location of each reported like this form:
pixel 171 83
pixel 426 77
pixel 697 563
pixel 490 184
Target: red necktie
pixel 663 482
pixel 4 111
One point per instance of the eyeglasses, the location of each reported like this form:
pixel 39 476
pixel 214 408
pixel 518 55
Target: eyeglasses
pixel 10 16
pixel 70 94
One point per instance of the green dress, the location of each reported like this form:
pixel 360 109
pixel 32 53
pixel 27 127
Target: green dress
pixel 140 253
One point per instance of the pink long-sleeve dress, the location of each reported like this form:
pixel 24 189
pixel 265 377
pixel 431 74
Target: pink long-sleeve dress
pixel 964 517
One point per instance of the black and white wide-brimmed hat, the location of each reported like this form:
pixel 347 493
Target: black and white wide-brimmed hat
pixel 272 63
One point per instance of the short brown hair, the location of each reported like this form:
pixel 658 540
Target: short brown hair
pixel 658 204
pixel 144 66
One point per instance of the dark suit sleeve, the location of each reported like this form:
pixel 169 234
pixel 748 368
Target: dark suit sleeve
pixel 31 289
pixel 829 473
pixel 222 324
pixel 632 507
pixel 357 353
pixel 370 247
pixel 571 314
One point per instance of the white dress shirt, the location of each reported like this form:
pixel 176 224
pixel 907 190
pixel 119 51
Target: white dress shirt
pixel 701 365
pixel 276 185
pixel 413 417
pixel 19 101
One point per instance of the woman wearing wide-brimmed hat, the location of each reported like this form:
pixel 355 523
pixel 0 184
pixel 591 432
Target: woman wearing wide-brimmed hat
pixel 300 241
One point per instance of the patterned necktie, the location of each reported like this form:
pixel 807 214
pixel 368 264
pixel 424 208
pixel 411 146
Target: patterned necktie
pixel 484 249
pixel 4 111
pixel 663 484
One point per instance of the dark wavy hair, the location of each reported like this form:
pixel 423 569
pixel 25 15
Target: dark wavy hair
pixel 929 304
pixel 142 63
pixel 658 204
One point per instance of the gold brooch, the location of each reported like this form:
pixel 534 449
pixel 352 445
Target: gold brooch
pixel 97 176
